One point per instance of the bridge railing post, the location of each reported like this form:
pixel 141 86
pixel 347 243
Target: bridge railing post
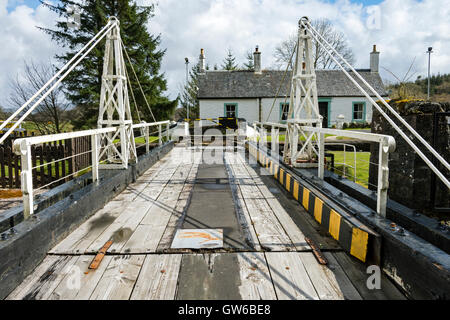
pixel 95 158
pixel 167 131
pixel 321 142
pixel 160 134
pixel 27 179
pixel 383 177
pixel 147 139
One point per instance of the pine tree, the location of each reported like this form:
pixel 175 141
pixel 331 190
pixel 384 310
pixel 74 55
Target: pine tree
pixel 229 62
pixel 249 65
pixel 84 82
pixel 188 96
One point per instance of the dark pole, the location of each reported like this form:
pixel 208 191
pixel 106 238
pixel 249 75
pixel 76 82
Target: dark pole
pixel 430 51
pixel 187 80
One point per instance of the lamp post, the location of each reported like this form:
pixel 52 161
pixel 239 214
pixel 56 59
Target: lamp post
pixel 187 80
pixel 430 51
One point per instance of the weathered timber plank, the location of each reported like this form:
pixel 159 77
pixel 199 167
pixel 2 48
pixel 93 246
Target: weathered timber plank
pixel 119 278
pixel 330 281
pixel 297 237
pixel 79 240
pixel 290 279
pixel 179 211
pixel 44 279
pixel 80 281
pixel 158 278
pixel 256 283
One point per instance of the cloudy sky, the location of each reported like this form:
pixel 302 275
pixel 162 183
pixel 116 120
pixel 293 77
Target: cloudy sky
pixel 402 30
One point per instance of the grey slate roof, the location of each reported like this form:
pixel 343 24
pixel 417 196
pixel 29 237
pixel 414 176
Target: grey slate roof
pixel 247 84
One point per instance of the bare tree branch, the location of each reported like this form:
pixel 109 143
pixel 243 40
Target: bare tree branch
pixel 321 59
pixel 48 117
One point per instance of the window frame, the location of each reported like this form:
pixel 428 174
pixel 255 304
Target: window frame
pixel 281 111
pixel 363 103
pixel 236 109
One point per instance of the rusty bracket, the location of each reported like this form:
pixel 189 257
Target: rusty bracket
pixel 317 252
pixel 99 257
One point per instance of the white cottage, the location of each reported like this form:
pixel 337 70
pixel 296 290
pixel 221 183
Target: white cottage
pixel 251 94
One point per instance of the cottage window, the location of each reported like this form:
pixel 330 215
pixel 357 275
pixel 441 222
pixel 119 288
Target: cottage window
pixel 359 111
pixel 231 110
pixel 284 108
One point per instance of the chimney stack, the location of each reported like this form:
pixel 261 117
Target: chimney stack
pixel 257 60
pixel 374 59
pixel 202 61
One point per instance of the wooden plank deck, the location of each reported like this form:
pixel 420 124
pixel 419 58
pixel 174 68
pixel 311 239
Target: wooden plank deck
pixel 140 265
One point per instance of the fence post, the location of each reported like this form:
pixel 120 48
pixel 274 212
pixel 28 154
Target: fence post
pixel 95 164
pixel 147 139
pixel 383 177
pixel 160 133
pixel 27 179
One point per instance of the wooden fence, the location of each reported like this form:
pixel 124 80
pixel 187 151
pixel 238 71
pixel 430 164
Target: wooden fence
pixel 49 172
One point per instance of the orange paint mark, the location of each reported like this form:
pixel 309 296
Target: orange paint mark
pixel 10 193
pixel 203 235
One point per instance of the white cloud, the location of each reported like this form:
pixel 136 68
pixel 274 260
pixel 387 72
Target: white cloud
pixel 407 28
pixel 22 40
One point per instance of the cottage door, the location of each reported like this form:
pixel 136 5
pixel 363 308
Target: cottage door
pixel 323 110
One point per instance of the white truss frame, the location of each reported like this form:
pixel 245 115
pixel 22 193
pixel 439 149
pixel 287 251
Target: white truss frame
pixel 303 106
pixel 115 105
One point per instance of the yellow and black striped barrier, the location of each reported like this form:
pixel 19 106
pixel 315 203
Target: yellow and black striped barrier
pixel 353 238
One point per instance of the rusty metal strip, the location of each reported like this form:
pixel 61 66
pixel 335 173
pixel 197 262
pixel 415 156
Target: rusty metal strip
pixel 317 253
pixel 99 257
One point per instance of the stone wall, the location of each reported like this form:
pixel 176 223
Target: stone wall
pixel 410 179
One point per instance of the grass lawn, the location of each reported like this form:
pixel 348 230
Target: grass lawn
pixel 362 166
pixel 31 127
pixel 282 138
pixel 141 140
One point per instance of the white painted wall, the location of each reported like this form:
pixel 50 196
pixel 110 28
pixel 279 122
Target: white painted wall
pixel 344 106
pixel 249 108
pixel 274 116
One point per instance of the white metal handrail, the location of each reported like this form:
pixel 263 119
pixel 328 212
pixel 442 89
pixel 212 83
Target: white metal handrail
pixel 146 134
pixel 386 145
pixel 22 147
